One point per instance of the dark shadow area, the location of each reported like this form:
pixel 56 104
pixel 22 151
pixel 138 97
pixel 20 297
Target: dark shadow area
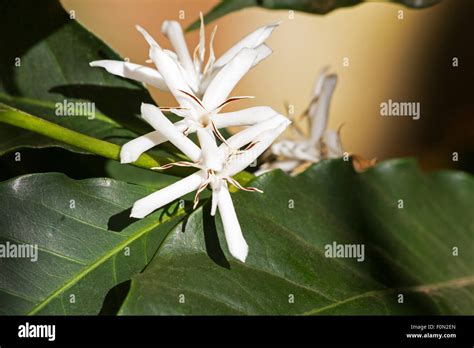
pixel 211 238
pixel 75 165
pixel 169 211
pixel 120 221
pixel 378 248
pixel 114 298
pixel 446 91
pixel 48 17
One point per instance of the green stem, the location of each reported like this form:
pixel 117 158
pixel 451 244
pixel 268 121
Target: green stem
pixel 18 118
pixel 99 147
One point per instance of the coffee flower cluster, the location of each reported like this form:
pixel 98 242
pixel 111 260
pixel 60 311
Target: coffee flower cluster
pixel 295 152
pixel 201 92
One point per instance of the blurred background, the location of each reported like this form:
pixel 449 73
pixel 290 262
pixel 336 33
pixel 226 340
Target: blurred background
pixel 409 60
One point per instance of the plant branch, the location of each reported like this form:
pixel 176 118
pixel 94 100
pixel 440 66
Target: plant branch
pixel 99 147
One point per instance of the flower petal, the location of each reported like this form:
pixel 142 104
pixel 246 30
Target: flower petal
pixel 333 144
pixel 233 233
pixel 318 84
pixel 173 77
pixel 251 133
pixel 212 56
pixel 151 41
pixel 301 150
pixel 202 41
pixel 320 113
pixel 132 71
pixel 214 197
pixel 263 51
pixel 158 199
pixel 157 120
pixel 209 151
pixel 173 31
pixel 241 161
pixel 253 40
pixel 226 79
pixel 134 148
pixel 244 117
pixel 285 165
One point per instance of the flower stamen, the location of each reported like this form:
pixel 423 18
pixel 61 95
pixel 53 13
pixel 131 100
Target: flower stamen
pixel 232 99
pixel 234 182
pixel 178 164
pixel 194 98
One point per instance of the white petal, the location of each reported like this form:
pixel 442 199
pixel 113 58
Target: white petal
pixel 202 39
pixel 158 199
pixel 225 81
pixel 299 150
pixel 132 71
pixel 209 151
pixel 306 152
pixel 134 148
pixel 333 143
pixel 318 84
pixel 250 134
pixel 190 79
pixel 319 116
pixel 151 41
pixel 213 204
pixel 181 112
pixel 212 56
pixel 173 77
pixel 263 51
pixel 252 40
pixel 233 234
pixel 173 31
pixel 157 120
pixel 244 117
pixel 285 165
pixel 263 141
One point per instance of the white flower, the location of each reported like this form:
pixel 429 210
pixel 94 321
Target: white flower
pixel 216 164
pixel 320 143
pixel 197 75
pixel 198 113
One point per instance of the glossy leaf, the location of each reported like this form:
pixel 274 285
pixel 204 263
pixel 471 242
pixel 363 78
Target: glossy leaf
pixel 47 62
pixel 409 248
pixel 86 241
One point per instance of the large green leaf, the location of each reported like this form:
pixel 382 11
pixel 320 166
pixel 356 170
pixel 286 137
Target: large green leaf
pixel 54 52
pixel 408 251
pixel 311 6
pixel 86 241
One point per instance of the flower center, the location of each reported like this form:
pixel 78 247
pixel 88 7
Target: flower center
pixel 204 120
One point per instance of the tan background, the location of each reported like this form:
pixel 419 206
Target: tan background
pixel 386 56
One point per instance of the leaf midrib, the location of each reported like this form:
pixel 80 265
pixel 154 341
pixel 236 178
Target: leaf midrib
pixel 426 288
pixel 111 253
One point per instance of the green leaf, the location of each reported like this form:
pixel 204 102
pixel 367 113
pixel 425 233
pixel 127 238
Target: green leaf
pixel 311 6
pixel 86 241
pixel 139 176
pixel 102 148
pixel 46 61
pixel 12 138
pixel 407 251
